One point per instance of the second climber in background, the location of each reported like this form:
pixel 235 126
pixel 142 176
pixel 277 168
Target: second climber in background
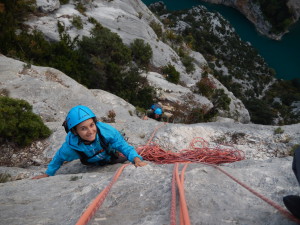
pixel 155 112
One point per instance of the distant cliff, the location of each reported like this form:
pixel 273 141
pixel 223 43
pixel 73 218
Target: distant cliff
pixel 255 14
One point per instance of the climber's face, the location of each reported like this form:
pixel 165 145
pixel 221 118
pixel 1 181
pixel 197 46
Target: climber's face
pixel 87 130
pixel 156 116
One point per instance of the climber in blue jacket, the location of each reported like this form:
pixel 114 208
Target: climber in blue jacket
pixel 93 142
pixel 155 112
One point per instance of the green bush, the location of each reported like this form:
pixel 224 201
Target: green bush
pixel 141 52
pixel 77 22
pixel 105 45
pixel 93 20
pixel 170 35
pixel 190 111
pixel 197 115
pixel 293 149
pixel 19 124
pixel 111 67
pixel 156 28
pixel 278 130
pixel 172 75
pixel 260 111
pixel 221 100
pixel 277 13
pixel 14 13
pixel 62 2
pixel 4 177
pixel 187 61
pixel 74 178
pixel 81 8
pixel 206 87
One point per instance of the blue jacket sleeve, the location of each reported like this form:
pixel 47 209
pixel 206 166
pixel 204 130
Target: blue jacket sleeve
pixel 116 141
pixel 62 155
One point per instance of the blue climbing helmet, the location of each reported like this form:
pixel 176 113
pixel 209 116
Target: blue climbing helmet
pixel 77 115
pixel 158 111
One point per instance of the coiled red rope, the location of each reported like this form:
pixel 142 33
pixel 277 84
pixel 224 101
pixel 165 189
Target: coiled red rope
pixel 199 154
pixel 198 151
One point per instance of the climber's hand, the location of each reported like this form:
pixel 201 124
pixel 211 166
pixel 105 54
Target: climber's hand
pixel 138 162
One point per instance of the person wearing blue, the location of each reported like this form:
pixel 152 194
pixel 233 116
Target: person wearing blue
pixel 93 142
pixel 292 202
pixel 155 112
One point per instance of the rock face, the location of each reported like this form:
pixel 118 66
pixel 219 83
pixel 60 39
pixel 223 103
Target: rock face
pixel 131 20
pixel 47 6
pixel 253 13
pixel 141 195
pixel 294 6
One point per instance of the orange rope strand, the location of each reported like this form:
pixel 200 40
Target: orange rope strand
pixel 184 215
pixel 93 207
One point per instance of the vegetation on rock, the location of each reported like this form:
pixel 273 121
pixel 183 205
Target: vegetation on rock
pixel 102 60
pixel 277 13
pixel 246 73
pixel 19 124
pixel 99 61
pixel 172 75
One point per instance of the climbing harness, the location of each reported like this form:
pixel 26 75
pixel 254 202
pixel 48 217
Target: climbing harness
pixel 84 158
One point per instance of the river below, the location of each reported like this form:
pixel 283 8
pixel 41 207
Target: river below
pixel 283 55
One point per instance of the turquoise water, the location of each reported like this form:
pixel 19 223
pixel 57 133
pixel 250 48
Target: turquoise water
pixel 283 56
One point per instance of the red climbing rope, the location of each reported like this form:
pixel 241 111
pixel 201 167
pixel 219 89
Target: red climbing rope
pixel 184 214
pixel 198 151
pixel 283 211
pixel 173 201
pixel 179 180
pixel 93 207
